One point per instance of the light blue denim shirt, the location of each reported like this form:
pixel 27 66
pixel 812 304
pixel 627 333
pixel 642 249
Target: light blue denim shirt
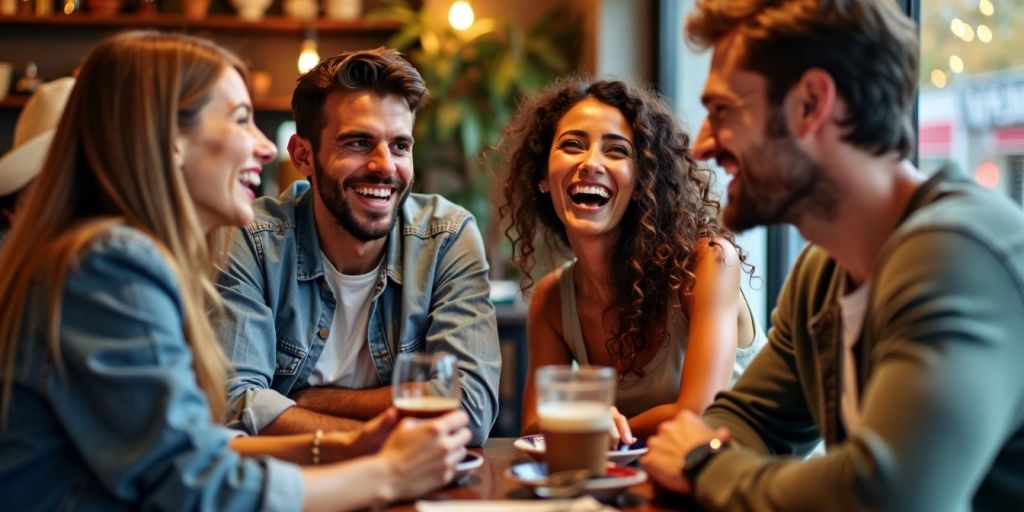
pixel 124 426
pixel 432 295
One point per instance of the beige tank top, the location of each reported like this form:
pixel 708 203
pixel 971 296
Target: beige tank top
pixel 660 384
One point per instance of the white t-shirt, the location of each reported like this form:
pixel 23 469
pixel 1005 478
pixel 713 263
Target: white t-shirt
pixel 854 306
pixel 345 361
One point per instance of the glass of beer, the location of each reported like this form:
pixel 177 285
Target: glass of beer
pixel 573 405
pixel 425 385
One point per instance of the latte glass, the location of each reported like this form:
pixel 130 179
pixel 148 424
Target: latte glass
pixel 425 385
pixel 573 405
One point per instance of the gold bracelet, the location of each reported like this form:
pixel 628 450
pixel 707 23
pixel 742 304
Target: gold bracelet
pixel 315 450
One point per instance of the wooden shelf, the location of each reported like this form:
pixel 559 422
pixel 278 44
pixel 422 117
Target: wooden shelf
pixel 215 22
pixel 268 104
pixel 13 101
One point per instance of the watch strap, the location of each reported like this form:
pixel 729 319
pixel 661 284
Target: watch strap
pixel 699 457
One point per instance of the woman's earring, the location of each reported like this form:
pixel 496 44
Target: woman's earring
pixel 542 187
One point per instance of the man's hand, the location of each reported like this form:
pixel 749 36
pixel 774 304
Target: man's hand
pixel 356 404
pixel 668 448
pixel 365 441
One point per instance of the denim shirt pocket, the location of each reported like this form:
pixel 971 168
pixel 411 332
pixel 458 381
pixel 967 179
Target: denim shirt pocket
pixel 289 358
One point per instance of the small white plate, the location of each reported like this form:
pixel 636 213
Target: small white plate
pixel 466 466
pixel 534 447
pixel 616 479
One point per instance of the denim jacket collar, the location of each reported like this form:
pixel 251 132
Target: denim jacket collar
pixel 309 265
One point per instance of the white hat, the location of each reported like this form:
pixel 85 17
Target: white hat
pixel 33 134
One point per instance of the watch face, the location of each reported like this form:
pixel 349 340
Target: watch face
pixel 699 456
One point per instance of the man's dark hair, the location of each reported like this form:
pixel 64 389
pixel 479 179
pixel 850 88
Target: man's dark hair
pixel 382 71
pixel 869 47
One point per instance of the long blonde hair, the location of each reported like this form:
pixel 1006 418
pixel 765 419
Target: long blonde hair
pixel 111 163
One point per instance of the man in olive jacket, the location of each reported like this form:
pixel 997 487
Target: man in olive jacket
pixel 899 335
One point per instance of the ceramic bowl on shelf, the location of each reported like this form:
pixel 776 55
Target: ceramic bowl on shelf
pixel 251 10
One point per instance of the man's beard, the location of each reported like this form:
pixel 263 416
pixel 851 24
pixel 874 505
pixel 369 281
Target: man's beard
pixel 788 185
pixel 332 193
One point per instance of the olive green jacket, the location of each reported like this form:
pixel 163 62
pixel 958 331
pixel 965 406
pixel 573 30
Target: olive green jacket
pixel 941 375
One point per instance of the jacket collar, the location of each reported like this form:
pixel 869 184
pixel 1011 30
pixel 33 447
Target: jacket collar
pixel 825 330
pixel 309 266
pixel 928 191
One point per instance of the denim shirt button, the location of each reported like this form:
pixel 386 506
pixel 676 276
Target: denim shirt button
pixel 323 333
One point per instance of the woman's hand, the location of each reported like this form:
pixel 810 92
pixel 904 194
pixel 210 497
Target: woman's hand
pixel 421 454
pixel 619 431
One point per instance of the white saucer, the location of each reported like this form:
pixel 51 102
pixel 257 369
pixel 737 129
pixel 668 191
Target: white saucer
pixel 617 478
pixel 466 466
pixel 534 447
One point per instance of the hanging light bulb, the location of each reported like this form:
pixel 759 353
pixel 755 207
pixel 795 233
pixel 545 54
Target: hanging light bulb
pixel 308 56
pixel 460 15
pixel 956 64
pixel 984 33
pixel 986 7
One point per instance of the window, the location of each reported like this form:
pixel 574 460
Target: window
pixel 681 79
pixel 971 105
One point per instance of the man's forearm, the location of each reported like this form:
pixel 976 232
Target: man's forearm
pixel 359 404
pixel 298 420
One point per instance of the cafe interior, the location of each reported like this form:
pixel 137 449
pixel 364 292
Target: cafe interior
pixel 480 59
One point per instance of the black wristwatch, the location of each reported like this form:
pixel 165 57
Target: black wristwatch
pixel 698 458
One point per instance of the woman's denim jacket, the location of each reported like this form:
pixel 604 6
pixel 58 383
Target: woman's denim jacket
pixel 122 424
pixel 432 295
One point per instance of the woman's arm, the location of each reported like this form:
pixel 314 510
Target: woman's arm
pixel 711 350
pixel 544 339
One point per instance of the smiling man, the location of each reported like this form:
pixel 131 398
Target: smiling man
pixel 340 274
pixel 897 337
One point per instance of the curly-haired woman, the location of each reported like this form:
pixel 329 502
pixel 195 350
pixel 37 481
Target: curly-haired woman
pixel 654 290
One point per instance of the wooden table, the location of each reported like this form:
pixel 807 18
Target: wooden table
pixel 488 482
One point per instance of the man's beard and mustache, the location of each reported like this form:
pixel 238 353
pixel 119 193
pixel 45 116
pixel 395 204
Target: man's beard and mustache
pixel 332 193
pixel 788 184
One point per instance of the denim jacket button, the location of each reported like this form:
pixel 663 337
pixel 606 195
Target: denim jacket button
pixel 323 333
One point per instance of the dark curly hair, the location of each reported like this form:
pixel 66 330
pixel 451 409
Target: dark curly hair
pixel 676 208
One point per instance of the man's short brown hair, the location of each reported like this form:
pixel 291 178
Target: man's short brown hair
pixel 868 47
pixel 382 71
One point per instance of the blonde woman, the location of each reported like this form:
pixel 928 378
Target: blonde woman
pixel 113 386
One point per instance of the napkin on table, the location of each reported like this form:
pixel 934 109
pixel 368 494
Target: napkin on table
pixel 583 504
